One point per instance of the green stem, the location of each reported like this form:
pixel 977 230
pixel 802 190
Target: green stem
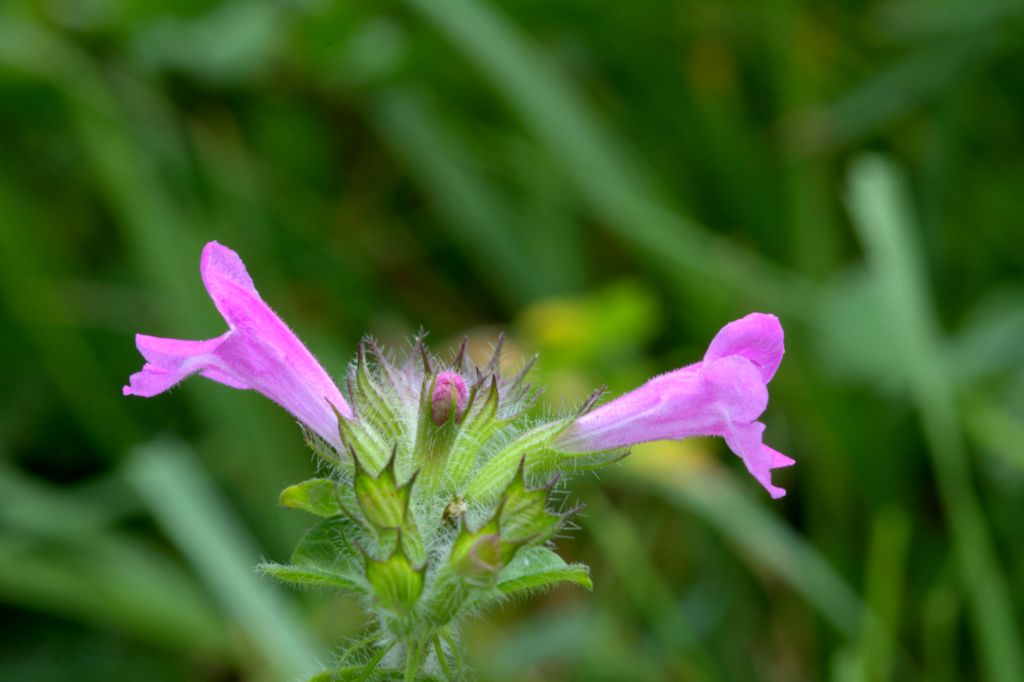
pixel 413 658
pixel 450 641
pixel 442 661
pixel 359 645
pixel 372 665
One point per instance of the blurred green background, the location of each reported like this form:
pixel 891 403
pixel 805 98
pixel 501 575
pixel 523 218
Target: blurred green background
pixel 607 182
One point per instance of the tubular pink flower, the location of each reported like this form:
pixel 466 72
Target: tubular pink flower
pixel 258 352
pixel 723 395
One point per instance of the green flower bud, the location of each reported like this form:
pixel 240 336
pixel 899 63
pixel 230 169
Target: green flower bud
pixel 396 583
pixel 382 501
pixel 477 558
pixel 523 516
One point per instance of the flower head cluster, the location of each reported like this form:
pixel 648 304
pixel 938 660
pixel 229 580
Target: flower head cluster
pixel 439 495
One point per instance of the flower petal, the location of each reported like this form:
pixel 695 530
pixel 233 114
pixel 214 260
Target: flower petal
pixel 168 361
pixel 218 266
pixel 737 387
pixel 722 396
pixel 667 406
pixel 758 337
pixel 745 441
pixel 232 291
pixel 259 352
pixel 691 401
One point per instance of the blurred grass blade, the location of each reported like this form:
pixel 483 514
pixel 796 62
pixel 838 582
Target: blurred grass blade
pixel 638 577
pixel 198 520
pixel 27 291
pixel 887 554
pixel 995 429
pixel 940 629
pixel 895 91
pixel 113 586
pixel 149 215
pixel 477 217
pixel 616 189
pixel 917 19
pixel 988 343
pixel 880 208
pixel 765 540
pixel 57 557
pixel 153 220
pixel 31 505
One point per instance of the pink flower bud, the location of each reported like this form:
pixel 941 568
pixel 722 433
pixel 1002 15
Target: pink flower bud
pixel 449 388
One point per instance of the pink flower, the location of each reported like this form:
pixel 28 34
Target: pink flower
pixel 258 352
pixel 723 395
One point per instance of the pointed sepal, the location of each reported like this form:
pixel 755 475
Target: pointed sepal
pixel 383 502
pixel 480 423
pixel 523 515
pixel 360 436
pixel 478 557
pixel 373 400
pixel 396 582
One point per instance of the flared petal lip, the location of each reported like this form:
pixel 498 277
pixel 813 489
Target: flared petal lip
pixel 258 352
pixel 758 337
pixel 723 395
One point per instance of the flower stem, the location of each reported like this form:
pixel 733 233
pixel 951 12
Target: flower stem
pixel 413 658
pixel 372 665
pixel 450 641
pixel 442 661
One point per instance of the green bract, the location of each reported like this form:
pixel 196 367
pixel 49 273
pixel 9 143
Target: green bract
pixel 431 512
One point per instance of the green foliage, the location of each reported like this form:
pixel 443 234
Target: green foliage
pixel 537 568
pixel 317 496
pixel 496 474
pixel 326 544
pixel 310 575
pixel 323 558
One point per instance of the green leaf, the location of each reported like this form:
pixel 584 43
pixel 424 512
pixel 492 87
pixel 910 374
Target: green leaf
pixel 538 567
pixel 323 558
pixel 309 575
pixel 500 470
pixel 316 496
pixel 549 460
pixel 325 545
pixel 412 541
pixel 356 673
